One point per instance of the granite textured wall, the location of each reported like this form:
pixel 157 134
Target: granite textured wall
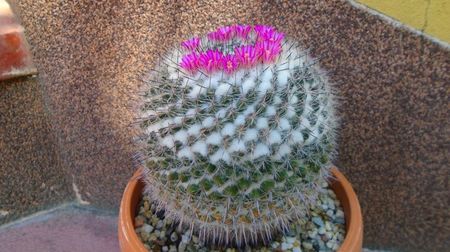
pixel 31 177
pixel 393 87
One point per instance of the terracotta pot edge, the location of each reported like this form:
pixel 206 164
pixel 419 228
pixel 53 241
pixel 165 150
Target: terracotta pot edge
pixel 353 217
pixel 130 242
pixel 128 239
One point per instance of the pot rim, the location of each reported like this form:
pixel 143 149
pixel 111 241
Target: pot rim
pixel 129 240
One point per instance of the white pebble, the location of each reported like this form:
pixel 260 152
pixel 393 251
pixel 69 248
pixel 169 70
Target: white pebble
pixel 182 247
pixel 146 228
pixel 174 237
pixel 160 224
pixel 327 225
pixel 312 234
pixel 330 244
pixel 173 248
pixel 290 240
pixel 296 249
pixel 322 230
pixel 185 238
pixel 275 244
pixel 330 213
pixel 307 245
pixel 335 247
pixel 332 207
pixel 286 246
pixel 321 244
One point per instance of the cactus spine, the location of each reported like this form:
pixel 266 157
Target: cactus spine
pixel 238 134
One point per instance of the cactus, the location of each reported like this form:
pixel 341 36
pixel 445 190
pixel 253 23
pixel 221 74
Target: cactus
pixel 238 133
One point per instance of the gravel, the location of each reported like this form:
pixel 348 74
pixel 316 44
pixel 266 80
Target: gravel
pixel 323 231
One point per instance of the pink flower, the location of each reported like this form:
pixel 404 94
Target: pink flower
pixel 213 36
pixel 242 31
pixel 210 61
pixel 226 32
pixel 268 51
pixel 190 62
pixel 274 36
pixel 222 34
pixel 229 63
pixel 191 44
pixel 246 55
pixel 268 33
pixel 263 30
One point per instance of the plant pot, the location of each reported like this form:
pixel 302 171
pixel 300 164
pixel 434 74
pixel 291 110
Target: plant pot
pixel 130 242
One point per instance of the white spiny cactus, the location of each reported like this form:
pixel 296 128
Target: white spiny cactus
pixel 236 150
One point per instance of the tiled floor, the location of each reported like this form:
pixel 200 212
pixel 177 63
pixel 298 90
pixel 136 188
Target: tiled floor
pixel 68 229
pixel 65 229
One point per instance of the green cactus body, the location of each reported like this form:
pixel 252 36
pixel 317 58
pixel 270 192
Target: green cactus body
pixel 237 156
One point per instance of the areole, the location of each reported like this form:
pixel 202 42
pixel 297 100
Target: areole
pixel 130 242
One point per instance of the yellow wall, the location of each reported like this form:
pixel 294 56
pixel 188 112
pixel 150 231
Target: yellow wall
pixel 431 16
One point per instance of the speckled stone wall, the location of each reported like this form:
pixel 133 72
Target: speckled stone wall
pixel 31 177
pixel 393 87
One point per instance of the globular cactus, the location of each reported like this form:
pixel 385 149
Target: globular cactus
pixel 238 133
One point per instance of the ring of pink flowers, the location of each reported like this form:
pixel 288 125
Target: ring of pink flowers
pixel 266 49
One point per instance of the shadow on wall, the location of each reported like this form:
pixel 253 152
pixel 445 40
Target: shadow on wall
pixel 392 84
pixel 31 175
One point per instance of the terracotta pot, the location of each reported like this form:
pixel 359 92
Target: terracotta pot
pixel 130 242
